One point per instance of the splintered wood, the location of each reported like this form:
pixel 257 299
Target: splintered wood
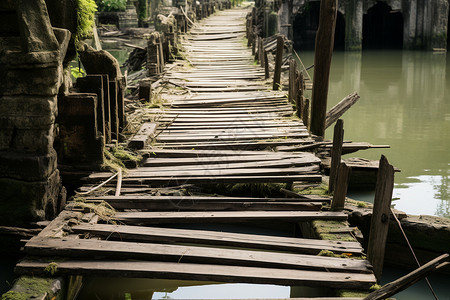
pixel 219 126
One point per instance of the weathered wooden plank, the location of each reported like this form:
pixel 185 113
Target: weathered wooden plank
pixel 215 165
pixel 203 272
pixel 216 238
pixel 87 248
pixel 260 159
pixel 220 216
pixel 187 205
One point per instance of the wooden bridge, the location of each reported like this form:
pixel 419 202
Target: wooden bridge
pixel 220 126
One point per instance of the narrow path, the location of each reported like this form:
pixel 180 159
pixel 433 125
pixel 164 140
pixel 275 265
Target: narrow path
pixel 220 126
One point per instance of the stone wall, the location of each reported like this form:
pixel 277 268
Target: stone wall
pixel 424 21
pixel 31 75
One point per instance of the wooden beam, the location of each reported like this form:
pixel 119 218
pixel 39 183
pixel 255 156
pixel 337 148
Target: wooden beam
pixel 215 238
pixel 322 64
pixel 380 218
pixel 339 109
pixel 225 217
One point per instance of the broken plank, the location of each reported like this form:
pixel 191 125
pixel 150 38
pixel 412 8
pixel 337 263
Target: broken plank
pixel 86 248
pixel 216 238
pixel 202 272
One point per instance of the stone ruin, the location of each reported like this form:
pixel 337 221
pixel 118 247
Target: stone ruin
pixel 47 126
pixel 31 77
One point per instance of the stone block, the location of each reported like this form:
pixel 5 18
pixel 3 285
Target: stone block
pixel 27 111
pixel 94 84
pixel 23 202
pixel 33 81
pixel 78 141
pixel 34 24
pixel 27 140
pixel 99 62
pixel 27 166
pixel 145 90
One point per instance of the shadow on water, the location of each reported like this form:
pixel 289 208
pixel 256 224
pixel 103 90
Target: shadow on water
pixel 404 103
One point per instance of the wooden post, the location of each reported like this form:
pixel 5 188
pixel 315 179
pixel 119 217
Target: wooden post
pixel 322 63
pixel 262 52
pixel 305 113
pixel 266 65
pixel 292 81
pixel 340 188
pixel 254 39
pixel 336 152
pixel 380 218
pixel 260 46
pixel 299 94
pixel 278 62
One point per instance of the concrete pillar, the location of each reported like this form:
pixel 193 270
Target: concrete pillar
pixel 438 24
pixel 284 19
pixel 409 24
pixel 353 25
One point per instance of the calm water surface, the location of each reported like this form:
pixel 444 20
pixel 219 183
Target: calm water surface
pixel 405 103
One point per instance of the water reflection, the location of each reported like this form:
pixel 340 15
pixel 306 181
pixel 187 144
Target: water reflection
pixel 404 103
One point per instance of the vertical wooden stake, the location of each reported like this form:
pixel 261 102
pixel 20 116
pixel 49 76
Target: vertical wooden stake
pixel 336 152
pixel 322 63
pixel 266 66
pixel 254 39
pixel 305 113
pixel 299 94
pixel 278 62
pixel 260 54
pixel 292 87
pixel 340 189
pixel 380 218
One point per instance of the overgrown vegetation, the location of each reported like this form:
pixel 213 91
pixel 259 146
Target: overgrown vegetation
pixel 51 268
pixel 102 209
pixel 111 5
pixel 85 19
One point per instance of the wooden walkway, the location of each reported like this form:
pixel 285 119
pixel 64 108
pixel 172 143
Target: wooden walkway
pixel 220 126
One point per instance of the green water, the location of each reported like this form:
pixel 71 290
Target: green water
pixel 405 103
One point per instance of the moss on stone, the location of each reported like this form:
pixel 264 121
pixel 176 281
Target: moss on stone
pixel 30 287
pixel 321 190
pixel 352 294
pixel 12 295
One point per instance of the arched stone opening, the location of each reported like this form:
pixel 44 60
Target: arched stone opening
pixel 382 28
pixel 305 27
pixel 339 34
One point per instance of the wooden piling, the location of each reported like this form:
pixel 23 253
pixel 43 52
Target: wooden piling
pixel 336 152
pixel 380 218
pixel 299 93
pixel 305 113
pixel 278 62
pixel 266 66
pixel 340 188
pixel 322 63
pixel 260 46
pixel 254 39
pixel 292 86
